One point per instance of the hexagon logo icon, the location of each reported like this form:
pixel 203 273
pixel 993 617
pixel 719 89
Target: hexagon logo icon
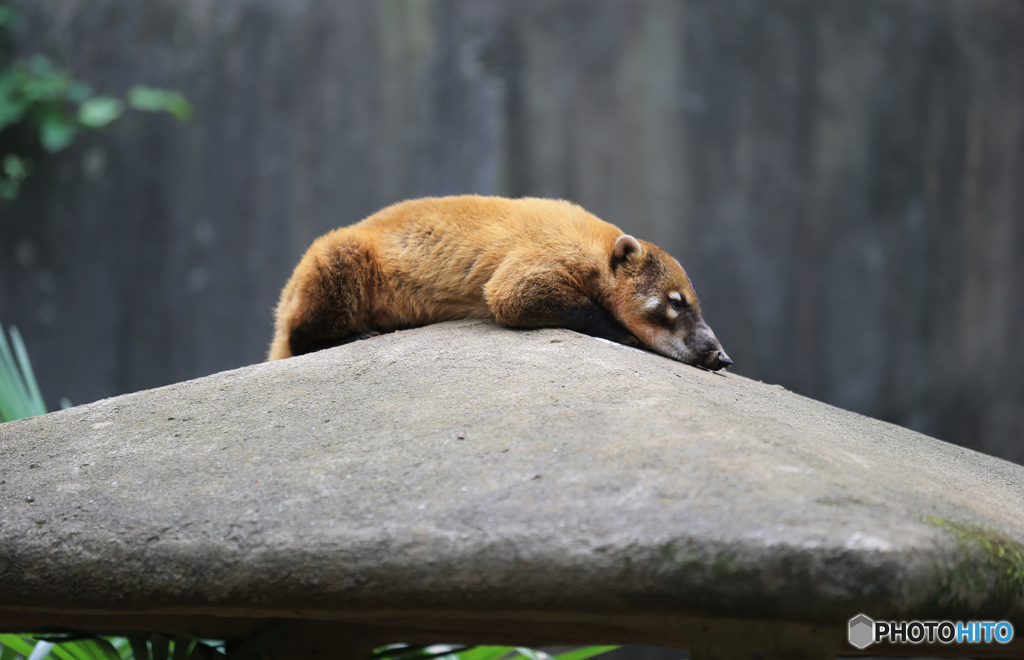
pixel 862 631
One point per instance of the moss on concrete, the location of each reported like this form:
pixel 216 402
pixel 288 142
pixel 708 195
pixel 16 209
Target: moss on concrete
pixel 989 578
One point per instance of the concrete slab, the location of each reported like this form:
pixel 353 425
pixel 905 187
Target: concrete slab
pixel 465 482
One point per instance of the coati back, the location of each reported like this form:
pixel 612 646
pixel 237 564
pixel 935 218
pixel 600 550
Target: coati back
pixel 528 263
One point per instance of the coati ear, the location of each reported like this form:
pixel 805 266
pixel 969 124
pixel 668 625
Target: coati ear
pixel 625 247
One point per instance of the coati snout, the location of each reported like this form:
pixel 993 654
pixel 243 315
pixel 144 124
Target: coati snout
pixel 528 263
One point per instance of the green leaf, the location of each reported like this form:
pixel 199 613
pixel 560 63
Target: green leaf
pixel 153 99
pixel 35 397
pixel 531 654
pixel 183 647
pixel 66 649
pixel 486 652
pixel 62 651
pixel 41 81
pixel 14 396
pixel 19 394
pixel 121 645
pixel 13 106
pixel 15 169
pixel 97 648
pixel 7 653
pixel 427 651
pixel 100 111
pixel 584 653
pixel 9 18
pixel 56 132
pixel 78 91
pixel 41 650
pixel 17 643
pixel 9 192
pixel 400 651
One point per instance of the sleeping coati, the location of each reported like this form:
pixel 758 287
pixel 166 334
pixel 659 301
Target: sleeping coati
pixel 528 263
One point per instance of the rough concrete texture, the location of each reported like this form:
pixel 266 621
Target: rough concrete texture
pixel 451 476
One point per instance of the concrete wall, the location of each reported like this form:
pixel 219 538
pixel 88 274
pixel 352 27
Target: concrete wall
pixel 840 179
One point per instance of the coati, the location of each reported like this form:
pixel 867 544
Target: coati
pixel 528 263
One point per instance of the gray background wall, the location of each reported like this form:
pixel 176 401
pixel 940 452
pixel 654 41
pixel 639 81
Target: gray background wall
pixel 840 179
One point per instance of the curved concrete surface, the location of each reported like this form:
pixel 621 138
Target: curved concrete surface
pixel 465 482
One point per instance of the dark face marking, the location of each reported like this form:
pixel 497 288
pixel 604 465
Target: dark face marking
pixel 651 276
pixel 674 317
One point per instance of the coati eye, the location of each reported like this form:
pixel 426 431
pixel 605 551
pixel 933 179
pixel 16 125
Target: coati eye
pixel 677 301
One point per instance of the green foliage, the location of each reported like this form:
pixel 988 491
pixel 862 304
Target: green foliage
pixel 37 94
pixel 9 18
pixel 19 393
pixel 442 652
pixel 136 645
pixel 154 99
pixel 154 646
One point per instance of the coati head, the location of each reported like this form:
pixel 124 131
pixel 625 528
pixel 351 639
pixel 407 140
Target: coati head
pixel 653 299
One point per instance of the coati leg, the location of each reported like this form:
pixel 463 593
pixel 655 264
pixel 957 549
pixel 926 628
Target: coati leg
pixel 326 301
pixel 547 299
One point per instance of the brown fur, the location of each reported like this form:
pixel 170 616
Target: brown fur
pixel 528 263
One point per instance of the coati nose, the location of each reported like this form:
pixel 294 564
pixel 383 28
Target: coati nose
pixel 716 359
